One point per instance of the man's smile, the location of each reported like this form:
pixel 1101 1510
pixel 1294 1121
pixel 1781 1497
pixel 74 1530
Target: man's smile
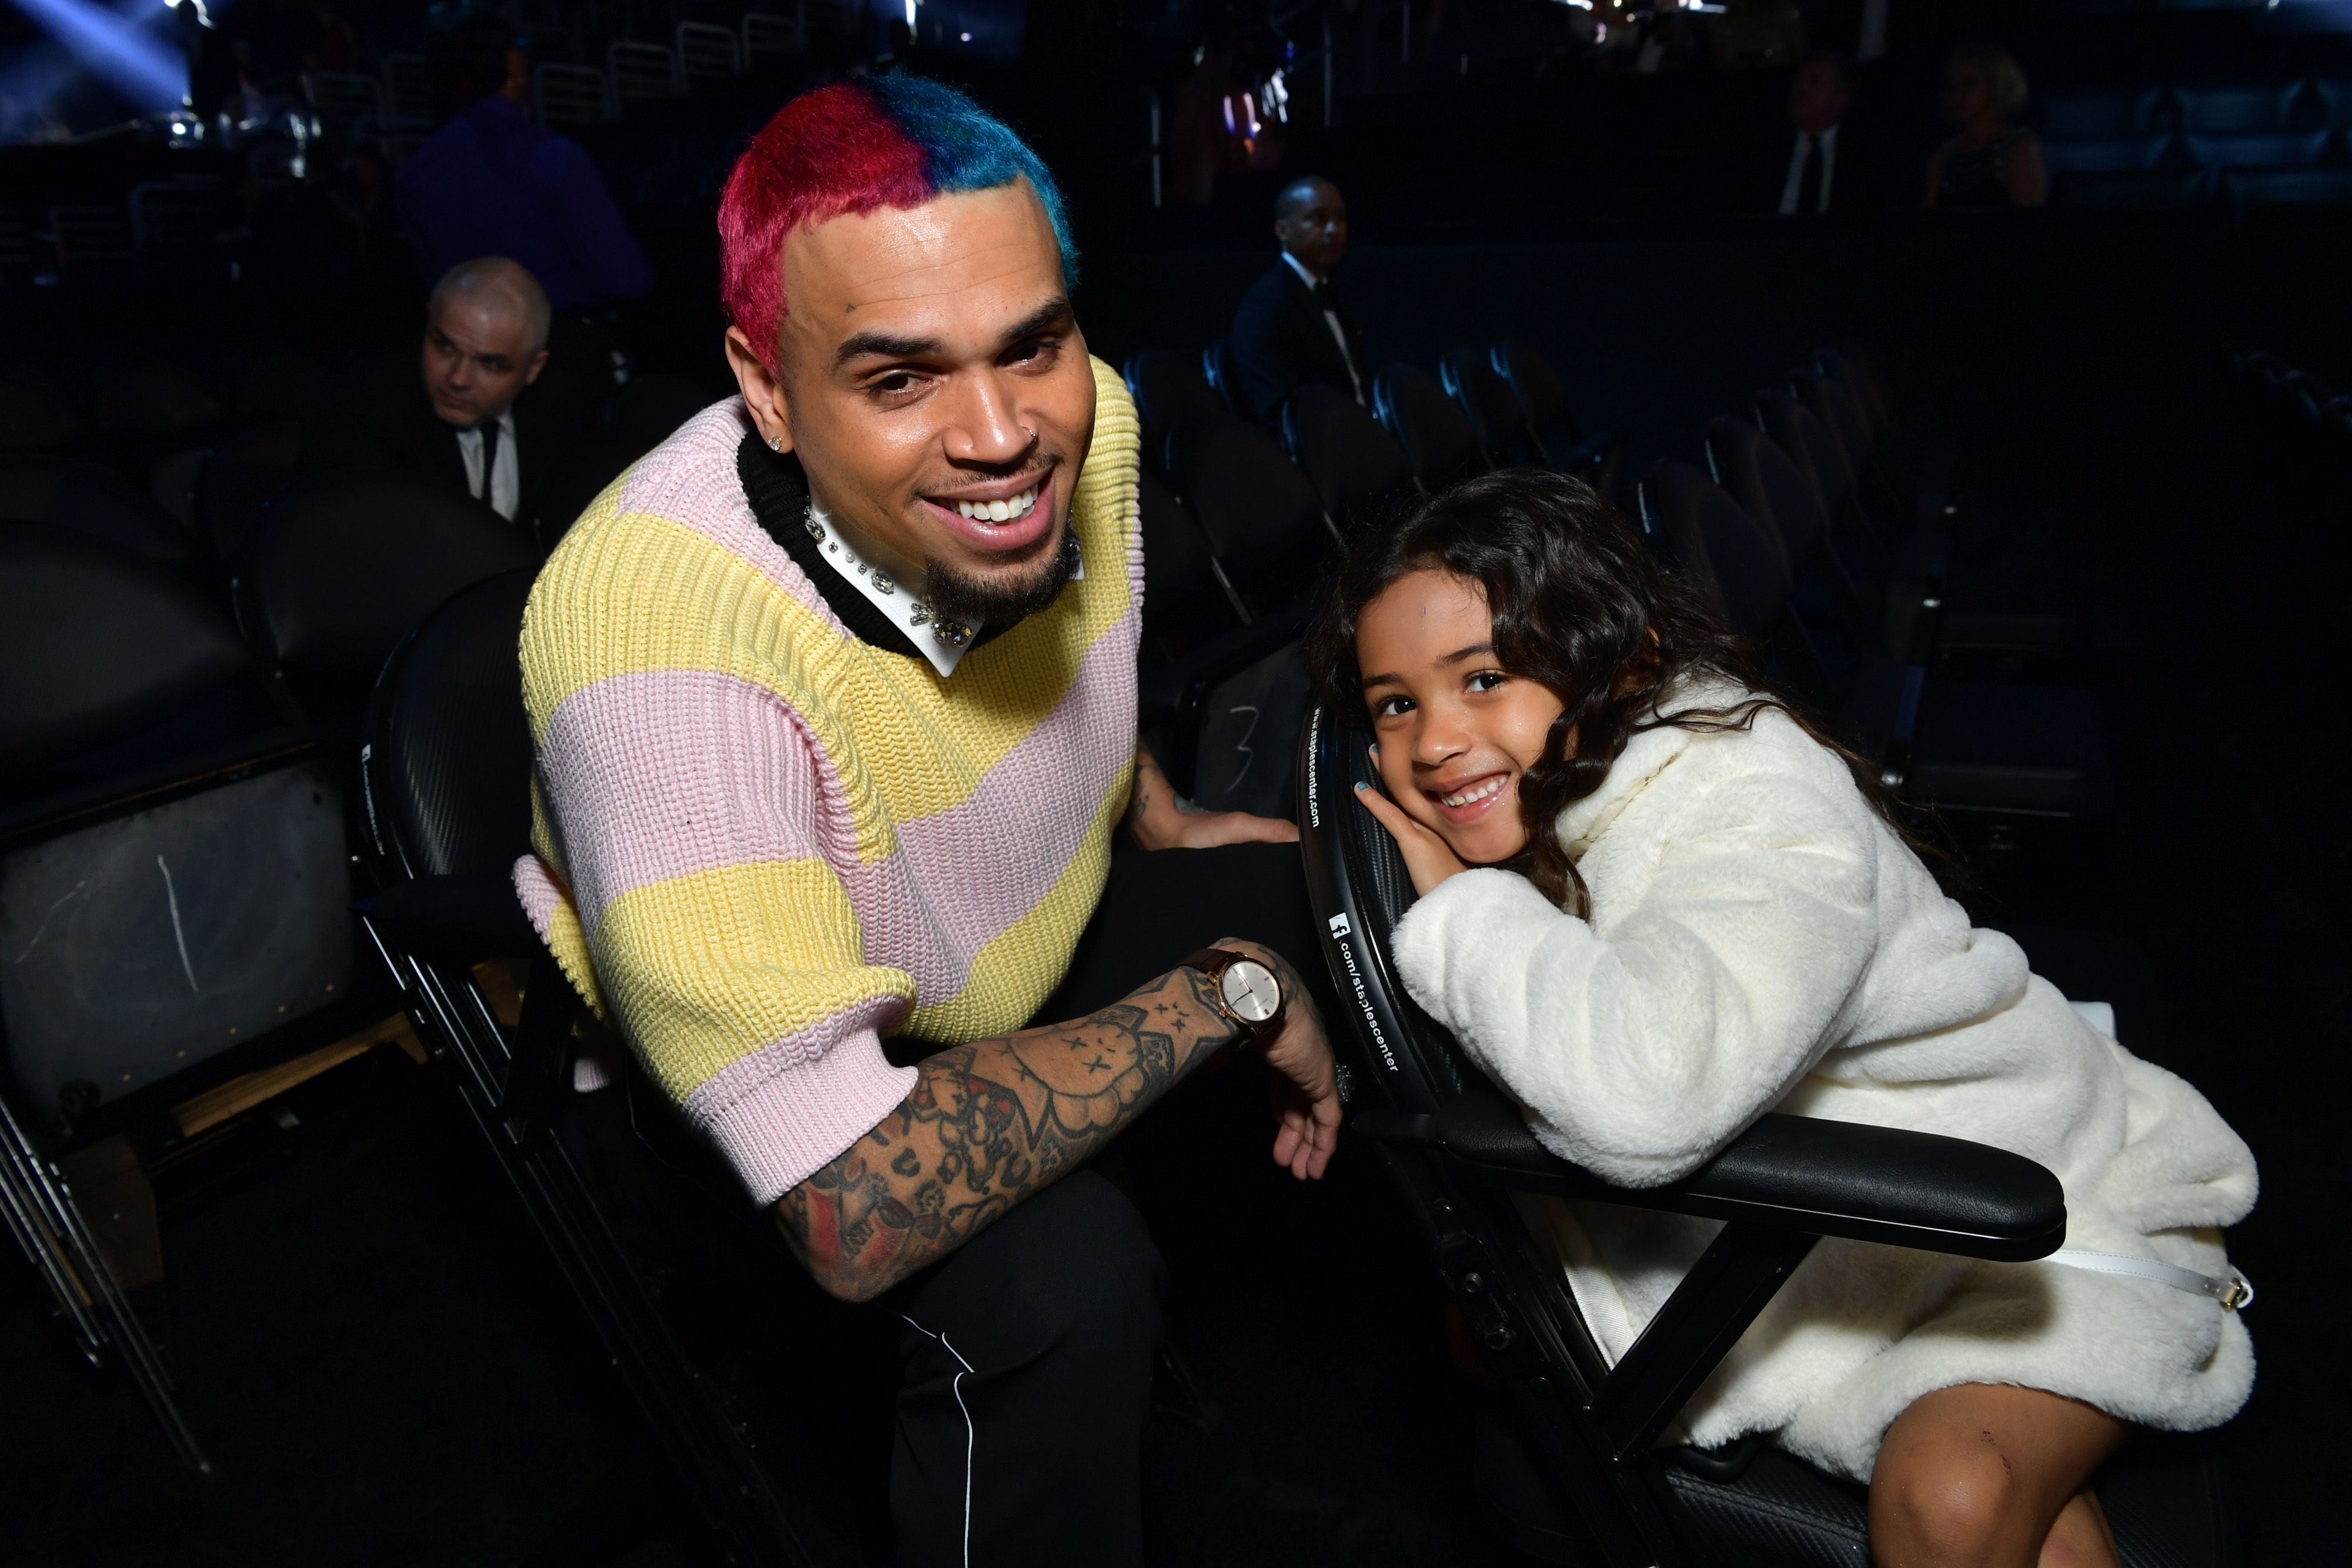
pixel 1001 516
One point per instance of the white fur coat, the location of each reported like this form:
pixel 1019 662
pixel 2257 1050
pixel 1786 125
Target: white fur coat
pixel 1761 941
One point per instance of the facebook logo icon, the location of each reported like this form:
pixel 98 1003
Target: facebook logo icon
pixel 1340 926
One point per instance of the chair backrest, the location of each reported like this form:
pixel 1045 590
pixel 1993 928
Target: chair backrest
pixel 1728 555
pixel 1770 488
pixel 1541 392
pixel 97 646
pixel 1830 404
pixel 642 70
pixel 2247 108
pixel 151 398
pixel 570 95
pixel 1217 369
pixel 1841 416
pixel 708 52
pixel 1438 438
pixel 1859 384
pixel 79 501
pixel 1261 517
pixel 1184 603
pixel 339 569
pixel 248 469
pixel 1357 468
pixel 1170 393
pixel 2099 114
pixel 261 381
pixel 1494 408
pixel 450 755
pixel 1357 880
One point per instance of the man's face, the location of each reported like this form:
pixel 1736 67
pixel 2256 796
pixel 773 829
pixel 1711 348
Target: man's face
pixel 477 358
pixel 1816 102
pixel 935 387
pixel 1314 225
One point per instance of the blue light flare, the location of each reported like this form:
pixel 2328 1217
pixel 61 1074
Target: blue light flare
pixel 149 72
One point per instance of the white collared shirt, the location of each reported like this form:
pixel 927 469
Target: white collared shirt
pixel 1795 186
pixel 1331 319
pixel 506 475
pixel 903 605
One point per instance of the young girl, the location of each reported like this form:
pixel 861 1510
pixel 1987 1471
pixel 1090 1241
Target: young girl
pixel 1656 903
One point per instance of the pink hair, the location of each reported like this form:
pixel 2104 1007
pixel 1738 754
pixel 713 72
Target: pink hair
pixel 825 153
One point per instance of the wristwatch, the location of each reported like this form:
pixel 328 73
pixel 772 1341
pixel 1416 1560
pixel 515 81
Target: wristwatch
pixel 1246 991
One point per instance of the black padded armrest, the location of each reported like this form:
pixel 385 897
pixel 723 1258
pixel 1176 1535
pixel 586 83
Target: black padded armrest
pixel 462 918
pixel 1796 1173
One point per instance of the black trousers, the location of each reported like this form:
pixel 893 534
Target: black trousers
pixel 1025 1358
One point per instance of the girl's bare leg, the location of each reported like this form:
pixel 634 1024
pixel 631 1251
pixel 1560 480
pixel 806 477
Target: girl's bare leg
pixel 1984 1476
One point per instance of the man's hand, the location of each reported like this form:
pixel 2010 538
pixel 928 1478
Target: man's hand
pixel 1158 822
pixel 1307 1081
pixel 1427 858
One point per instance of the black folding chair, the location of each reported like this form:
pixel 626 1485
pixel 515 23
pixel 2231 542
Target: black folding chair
pixel 173 860
pixel 340 568
pixel 447 774
pixel 1217 369
pixel 1170 393
pixel 1574 1472
pixel 1438 438
pixel 1559 441
pixel 1357 468
pixel 1263 521
pixel 1997 750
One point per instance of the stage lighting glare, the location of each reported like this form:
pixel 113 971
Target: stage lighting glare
pixel 152 74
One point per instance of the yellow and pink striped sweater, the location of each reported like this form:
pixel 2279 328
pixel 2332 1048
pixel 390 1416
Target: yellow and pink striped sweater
pixel 762 843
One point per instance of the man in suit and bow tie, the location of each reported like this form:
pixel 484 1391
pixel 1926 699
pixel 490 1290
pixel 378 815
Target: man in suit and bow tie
pixel 460 411
pixel 1289 332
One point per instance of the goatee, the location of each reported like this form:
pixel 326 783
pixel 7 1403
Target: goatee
pixel 955 596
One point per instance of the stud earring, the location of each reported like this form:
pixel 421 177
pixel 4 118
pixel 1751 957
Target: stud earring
pixel 775 443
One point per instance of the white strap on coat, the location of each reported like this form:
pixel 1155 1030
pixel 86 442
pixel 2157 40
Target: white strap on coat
pixel 2233 1293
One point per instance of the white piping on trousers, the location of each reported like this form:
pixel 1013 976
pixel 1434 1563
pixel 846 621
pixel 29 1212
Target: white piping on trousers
pixel 968 1435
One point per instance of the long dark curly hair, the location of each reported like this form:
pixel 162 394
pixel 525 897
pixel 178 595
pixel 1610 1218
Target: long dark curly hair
pixel 1580 606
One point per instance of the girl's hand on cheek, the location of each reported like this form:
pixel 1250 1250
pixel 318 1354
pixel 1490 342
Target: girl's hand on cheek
pixel 1427 858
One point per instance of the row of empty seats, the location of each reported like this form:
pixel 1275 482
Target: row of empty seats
pixel 2259 143
pixel 1238 522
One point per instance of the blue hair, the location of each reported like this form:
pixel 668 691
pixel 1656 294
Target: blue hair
pixel 965 148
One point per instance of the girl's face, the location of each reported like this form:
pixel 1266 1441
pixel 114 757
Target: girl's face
pixel 1455 731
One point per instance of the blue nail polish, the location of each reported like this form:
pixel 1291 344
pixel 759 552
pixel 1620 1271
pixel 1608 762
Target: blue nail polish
pixel 1363 786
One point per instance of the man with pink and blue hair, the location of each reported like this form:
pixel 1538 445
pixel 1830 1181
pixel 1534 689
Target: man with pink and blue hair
pixel 834 699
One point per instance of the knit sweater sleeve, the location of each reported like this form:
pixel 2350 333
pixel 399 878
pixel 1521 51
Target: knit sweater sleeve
pixel 1640 1052
pixel 693 847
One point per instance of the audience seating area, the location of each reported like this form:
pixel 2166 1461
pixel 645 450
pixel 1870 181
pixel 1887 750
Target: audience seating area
pixel 2256 144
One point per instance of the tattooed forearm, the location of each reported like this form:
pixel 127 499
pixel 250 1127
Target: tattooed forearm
pixel 986 1126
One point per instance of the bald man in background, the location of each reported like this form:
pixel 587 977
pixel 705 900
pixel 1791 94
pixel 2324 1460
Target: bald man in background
pixel 459 411
pixel 1290 331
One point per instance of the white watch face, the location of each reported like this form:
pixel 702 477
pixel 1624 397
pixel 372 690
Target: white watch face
pixel 1251 991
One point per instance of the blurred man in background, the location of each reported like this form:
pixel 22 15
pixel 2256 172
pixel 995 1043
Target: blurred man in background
pixel 490 183
pixel 1290 331
pixel 1817 100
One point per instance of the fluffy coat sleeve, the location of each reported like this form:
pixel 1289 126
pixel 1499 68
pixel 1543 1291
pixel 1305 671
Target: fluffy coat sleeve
pixel 1643 1041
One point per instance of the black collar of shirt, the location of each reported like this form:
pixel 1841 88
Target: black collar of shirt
pixel 778 491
